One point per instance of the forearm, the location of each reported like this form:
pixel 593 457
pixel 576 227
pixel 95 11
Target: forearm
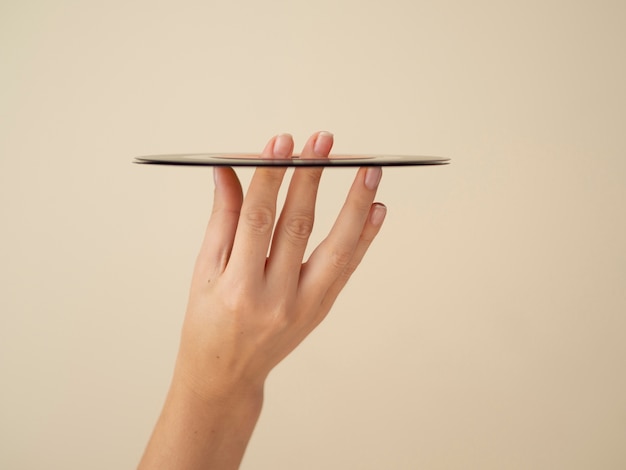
pixel 203 430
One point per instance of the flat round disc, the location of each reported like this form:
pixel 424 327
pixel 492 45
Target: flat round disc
pixel 243 159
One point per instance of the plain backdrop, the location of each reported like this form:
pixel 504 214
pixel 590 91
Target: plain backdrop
pixel 486 327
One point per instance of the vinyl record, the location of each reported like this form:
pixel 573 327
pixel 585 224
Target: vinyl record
pixel 251 160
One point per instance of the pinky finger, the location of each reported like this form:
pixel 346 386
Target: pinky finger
pixel 374 222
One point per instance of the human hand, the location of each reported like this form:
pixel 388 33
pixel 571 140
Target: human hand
pixel 248 310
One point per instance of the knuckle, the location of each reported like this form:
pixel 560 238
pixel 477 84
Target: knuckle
pixel 313 175
pixel 349 270
pixel 270 177
pixel 226 212
pixel 281 321
pixel 260 219
pixel 299 227
pixel 368 237
pixel 363 205
pixel 340 257
pixel 273 175
pixel 236 298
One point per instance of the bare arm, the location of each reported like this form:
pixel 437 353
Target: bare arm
pixel 248 310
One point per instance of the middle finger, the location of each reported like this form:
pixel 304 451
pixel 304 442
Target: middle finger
pixel 296 220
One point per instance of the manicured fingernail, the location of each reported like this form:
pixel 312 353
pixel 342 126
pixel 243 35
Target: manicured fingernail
pixel 323 144
pixel 379 211
pixel 283 146
pixel 372 177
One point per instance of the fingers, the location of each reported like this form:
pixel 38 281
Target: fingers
pixel 220 233
pixel 374 222
pixel 334 255
pixel 258 212
pixel 296 220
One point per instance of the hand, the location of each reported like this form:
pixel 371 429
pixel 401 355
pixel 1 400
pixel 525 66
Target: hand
pixel 248 310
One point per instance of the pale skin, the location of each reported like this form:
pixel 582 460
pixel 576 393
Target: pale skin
pixel 248 309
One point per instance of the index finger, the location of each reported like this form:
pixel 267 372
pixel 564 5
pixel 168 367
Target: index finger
pixel 258 212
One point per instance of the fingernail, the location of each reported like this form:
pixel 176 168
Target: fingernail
pixel 283 146
pixel 215 175
pixel 372 177
pixel 378 214
pixel 323 144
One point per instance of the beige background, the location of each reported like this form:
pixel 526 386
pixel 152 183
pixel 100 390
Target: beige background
pixel 485 329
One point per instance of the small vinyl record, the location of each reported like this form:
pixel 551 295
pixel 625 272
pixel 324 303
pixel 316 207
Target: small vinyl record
pixel 252 160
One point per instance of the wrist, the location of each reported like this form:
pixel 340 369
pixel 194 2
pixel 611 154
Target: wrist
pixel 215 385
